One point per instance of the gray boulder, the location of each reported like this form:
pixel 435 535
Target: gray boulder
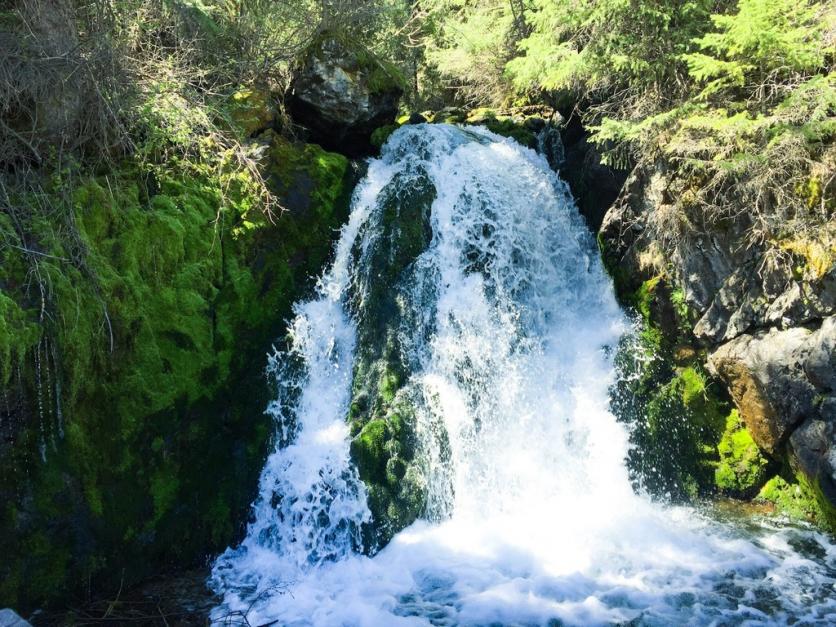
pixel 765 375
pixel 784 383
pixel 342 93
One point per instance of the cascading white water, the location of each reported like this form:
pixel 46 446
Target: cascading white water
pixel 535 519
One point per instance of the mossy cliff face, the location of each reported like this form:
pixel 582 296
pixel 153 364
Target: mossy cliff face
pixel 382 414
pixel 756 322
pixel 132 346
pixel 676 411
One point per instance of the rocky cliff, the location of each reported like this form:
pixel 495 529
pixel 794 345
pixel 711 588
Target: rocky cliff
pixel 757 314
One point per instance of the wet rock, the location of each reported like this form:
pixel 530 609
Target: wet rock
pixel 813 448
pixel 342 93
pixel 382 416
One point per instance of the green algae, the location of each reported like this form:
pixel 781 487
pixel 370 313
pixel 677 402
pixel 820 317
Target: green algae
pixel 794 496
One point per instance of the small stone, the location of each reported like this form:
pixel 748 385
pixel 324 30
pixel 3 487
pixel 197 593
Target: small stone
pixel 416 118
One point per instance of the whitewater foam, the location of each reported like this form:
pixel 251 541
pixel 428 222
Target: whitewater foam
pixel 534 521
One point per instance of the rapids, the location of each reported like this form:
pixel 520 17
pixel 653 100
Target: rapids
pixel 530 516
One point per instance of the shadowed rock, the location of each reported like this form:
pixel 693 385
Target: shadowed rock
pixel 342 93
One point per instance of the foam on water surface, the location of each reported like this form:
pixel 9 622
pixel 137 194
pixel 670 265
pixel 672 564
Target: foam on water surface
pixel 535 519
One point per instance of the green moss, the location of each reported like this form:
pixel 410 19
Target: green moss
pixel 251 110
pixel 643 297
pixel 369 451
pixel 742 469
pixel 684 423
pixel 798 498
pixel 507 127
pixel 164 487
pixel 381 418
pixel 381 134
pixel 162 303
pixel 18 334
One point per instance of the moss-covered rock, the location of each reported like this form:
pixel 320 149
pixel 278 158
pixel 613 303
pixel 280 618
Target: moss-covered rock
pixel 742 469
pixel 676 410
pixel 794 497
pixel 517 127
pixel 381 416
pixel 341 92
pixel 133 394
pixel 381 134
pixel 252 110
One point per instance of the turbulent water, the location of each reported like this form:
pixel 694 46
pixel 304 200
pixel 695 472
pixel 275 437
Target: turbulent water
pixel 534 518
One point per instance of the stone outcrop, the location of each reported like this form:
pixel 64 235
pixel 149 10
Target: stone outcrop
pixel 784 382
pixel 342 93
pixel 732 287
pixel 764 319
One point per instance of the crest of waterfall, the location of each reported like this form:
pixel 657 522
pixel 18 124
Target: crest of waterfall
pixel 508 325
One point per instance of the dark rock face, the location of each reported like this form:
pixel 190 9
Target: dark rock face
pixel 594 185
pixel 768 328
pixel 342 94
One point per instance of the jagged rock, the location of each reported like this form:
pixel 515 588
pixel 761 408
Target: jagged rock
pixel 813 448
pixel 623 230
pixel 735 306
pixel 732 286
pixel 763 309
pixel 342 93
pixel 765 376
pixel 784 382
pixel 10 618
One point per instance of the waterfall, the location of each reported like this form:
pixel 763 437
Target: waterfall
pixel 529 517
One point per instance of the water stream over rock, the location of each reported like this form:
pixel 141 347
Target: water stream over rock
pixel 507 323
